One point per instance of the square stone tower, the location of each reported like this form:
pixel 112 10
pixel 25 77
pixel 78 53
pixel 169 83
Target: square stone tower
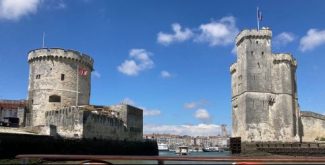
pixel 264 94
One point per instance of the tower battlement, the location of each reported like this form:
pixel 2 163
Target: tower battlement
pixel 253 33
pixel 284 57
pixel 59 53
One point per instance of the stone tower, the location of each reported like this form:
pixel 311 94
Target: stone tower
pixel 224 130
pixel 54 81
pixel 264 94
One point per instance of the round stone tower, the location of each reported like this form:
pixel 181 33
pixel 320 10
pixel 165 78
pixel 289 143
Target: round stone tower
pixel 57 78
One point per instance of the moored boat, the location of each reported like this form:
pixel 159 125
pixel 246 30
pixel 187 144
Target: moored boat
pixel 212 149
pixel 163 147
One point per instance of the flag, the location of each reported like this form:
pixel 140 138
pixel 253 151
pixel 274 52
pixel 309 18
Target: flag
pixel 82 71
pixel 259 15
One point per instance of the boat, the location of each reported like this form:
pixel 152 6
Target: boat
pixel 163 147
pixel 182 150
pixel 212 149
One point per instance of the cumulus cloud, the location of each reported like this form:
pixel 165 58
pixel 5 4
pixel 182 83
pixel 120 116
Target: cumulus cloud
pixel 203 115
pixel 141 61
pixel 234 50
pixel 215 33
pixel 191 130
pixel 153 112
pixel 222 32
pixel 178 36
pixel 165 74
pixel 283 39
pixel 127 101
pixel 313 39
pixel 194 104
pixel 96 74
pixel 15 9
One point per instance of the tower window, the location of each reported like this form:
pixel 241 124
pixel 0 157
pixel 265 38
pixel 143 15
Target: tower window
pixel 55 99
pixel 62 77
pixel 262 53
pixel 252 53
pixel 38 76
pixel 256 42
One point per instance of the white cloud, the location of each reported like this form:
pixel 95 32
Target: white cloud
pixel 234 50
pixel 96 74
pixel 313 39
pixel 283 39
pixel 62 5
pixel 165 74
pixel 154 112
pixel 15 9
pixel 194 104
pixel 141 62
pixel 178 36
pixel 191 130
pixel 203 115
pixel 127 101
pixel 222 32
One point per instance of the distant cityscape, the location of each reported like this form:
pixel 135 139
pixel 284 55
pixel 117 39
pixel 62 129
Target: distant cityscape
pixel 196 143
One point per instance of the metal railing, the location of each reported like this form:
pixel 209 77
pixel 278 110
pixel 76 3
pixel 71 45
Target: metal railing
pixel 163 159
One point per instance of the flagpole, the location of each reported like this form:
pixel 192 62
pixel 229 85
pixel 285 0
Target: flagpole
pixel 43 39
pixel 258 21
pixel 77 85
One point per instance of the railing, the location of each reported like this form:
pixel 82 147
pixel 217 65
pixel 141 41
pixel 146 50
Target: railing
pixel 162 159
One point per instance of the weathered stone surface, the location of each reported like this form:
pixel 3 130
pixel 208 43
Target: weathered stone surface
pixel 313 126
pixel 53 72
pixel 264 94
pixel 120 122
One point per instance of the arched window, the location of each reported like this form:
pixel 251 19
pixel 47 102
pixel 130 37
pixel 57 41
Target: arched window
pixel 62 77
pixel 55 99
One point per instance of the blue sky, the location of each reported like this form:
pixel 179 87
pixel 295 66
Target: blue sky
pixel 170 58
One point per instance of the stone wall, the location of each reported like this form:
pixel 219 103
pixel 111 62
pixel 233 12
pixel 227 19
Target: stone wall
pixel 72 122
pixel 53 74
pixel 264 96
pixel 133 119
pixel 313 126
pixel 68 122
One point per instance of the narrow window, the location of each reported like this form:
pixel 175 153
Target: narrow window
pixel 55 99
pixel 62 77
pixel 252 53
pixel 262 53
pixel 256 42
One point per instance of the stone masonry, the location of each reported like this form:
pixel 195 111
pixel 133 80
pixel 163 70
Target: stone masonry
pixel 53 81
pixel 264 94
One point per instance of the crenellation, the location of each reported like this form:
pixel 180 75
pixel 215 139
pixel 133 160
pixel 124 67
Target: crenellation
pixel 253 33
pixel 59 53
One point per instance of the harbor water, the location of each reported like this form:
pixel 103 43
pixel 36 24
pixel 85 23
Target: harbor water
pixel 192 154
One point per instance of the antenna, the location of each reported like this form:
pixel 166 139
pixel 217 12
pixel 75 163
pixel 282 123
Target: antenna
pixel 43 39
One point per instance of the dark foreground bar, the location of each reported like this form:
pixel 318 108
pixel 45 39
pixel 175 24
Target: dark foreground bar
pixel 162 159
pixel 17 144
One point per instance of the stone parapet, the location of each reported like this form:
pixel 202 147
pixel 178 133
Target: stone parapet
pixel 284 57
pixel 56 53
pixel 233 67
pixel 312 114
pixel 246 33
